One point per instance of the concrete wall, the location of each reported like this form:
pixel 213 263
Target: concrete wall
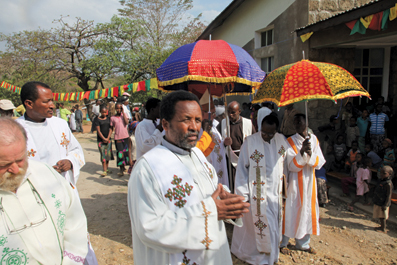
pixel 322 9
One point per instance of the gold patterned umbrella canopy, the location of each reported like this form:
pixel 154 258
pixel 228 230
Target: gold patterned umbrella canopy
pixel 306 80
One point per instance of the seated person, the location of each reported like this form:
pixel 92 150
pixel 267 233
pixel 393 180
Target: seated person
pixel 376 160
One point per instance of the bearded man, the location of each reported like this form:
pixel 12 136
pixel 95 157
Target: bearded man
pixel 43 221
pixel 176 215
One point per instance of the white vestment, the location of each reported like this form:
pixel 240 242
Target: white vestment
pixel 51 141
pixel 301 206
pixel 218 157
pixel 262 113
pixel 259 178
pixel 178 224
pixel 247 131
pixel 146 137
pixel 59 231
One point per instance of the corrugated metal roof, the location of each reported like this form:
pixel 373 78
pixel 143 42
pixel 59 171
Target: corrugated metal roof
pixel 338 14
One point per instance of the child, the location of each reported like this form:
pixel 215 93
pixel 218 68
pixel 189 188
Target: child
pixel 362 124
pixel 353 175
pixel 389 157
pixel 340 152
pixel 330 159
pixel 363 178
pixel 119 124
pixel 376 160
pixel 352 133
pixel 351 155
pixel 382 197
pixel 104 133
pixel 321 180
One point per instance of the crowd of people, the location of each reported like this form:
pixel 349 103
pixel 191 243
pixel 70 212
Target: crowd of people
pixel 191 171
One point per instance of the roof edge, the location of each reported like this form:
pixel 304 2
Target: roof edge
pixel 347 16
pixel 218 21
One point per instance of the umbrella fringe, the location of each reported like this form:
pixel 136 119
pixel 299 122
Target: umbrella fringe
pixel 231 79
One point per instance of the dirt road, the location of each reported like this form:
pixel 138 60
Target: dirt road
pixel 346 238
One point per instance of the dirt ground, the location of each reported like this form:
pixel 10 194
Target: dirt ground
pixel 346 238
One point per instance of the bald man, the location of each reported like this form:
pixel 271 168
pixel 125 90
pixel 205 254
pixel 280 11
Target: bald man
pixel 43 220
pixel 240 128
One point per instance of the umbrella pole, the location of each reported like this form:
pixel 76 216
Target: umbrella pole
pixel 229 165
pixel 209 101
pixel 307 119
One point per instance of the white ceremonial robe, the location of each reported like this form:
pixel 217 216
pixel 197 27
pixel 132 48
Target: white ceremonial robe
pixel 59 233
pixel 146 137
pixel 259 178
pixel 301 206
pixel 218 156
pixel 163 227
pixel 72 121
pixel 61 144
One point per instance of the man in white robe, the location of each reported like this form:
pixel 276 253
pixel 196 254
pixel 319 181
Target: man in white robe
pixel 259 178
pixel 176 215
pixel 50 139
pixel 43 221
pixel 240 128
pixel 148 134
pixel 304 156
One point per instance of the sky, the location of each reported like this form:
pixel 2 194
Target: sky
pixel 19 15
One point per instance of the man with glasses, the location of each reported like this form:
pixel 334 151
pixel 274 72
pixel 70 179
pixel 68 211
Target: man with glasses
pixel 259 179
pixel 42 220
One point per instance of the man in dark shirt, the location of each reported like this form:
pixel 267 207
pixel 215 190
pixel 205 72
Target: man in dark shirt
pixel 79 119
pixel 240 128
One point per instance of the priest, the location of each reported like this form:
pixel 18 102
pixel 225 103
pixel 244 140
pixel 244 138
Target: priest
pixel 259 179
pixel 301 207
pixel 43 220
pixel 175 205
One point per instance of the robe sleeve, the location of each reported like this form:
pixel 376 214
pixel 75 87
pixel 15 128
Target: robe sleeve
pixel 295 161
pixel 76 157
pixel 75 242
pixel 316 160
pixel 165 230
pixel 242 173
pixel 146 141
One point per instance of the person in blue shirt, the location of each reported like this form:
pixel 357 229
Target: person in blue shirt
pixel 377 130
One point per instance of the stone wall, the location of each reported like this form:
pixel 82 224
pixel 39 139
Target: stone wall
pixel 322 9
pixel 319 111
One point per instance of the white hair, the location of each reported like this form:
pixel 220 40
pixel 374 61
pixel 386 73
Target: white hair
pixel 9 131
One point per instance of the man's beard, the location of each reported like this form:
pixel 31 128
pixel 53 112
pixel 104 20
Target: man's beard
pixel 10 181
pixel 184 142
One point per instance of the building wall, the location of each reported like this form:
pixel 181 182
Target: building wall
pixel 322 9
pixel 251 16
pixel 393 78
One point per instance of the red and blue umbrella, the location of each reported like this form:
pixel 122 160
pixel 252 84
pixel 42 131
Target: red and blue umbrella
pixel 193 66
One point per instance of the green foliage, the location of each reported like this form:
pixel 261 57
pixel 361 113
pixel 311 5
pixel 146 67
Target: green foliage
pixel 14 97
pixel 83 56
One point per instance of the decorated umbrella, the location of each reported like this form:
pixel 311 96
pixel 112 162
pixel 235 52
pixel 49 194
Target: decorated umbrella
pixel 306 80
pixel 213 65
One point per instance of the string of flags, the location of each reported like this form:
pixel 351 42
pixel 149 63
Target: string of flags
pixel 145 85
pixel 378 21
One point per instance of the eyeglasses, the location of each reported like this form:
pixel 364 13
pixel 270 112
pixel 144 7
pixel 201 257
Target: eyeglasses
pixel 15 230
pixel 267 134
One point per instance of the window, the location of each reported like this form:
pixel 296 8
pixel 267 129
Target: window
pixel 267 38
pixel 368 70
pixel 267 64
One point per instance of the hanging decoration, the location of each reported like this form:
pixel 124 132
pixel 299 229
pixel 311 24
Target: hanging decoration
pixel 145 85
pixel 378 21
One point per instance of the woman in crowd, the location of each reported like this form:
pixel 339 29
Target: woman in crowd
pixel 119 124
pixel 104 133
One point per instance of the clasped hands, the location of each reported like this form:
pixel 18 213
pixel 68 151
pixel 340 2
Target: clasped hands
pixel 306 147
pixel 228 205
